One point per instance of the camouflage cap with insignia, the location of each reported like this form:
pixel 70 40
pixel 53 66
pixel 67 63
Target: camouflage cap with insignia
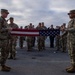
pixel 4 10
pixel 71 12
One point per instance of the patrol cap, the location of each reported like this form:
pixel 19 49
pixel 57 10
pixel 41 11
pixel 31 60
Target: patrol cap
pixel 71 12
pixel 11 18
pixel 4 10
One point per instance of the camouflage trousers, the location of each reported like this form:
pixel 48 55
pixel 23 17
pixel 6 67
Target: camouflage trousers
pixel 71 51
pixel 64 42
pixel 4 51
pixel 29 44
pixel 41 44
pixel 58 43
pixel 12 47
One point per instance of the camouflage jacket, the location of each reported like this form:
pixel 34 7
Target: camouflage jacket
pixel 14 26
pixel 4 33
pixel 71 31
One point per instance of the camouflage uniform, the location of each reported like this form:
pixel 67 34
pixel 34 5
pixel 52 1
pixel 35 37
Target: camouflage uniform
pixel 21 40
pixel 33 38
pixel 71 41
pixel 57 38
pixel 63 38
pixel 64 42
pixel 60 40
pixel 4 39
pixel 43 38
pixel 29 40
pixel 29 43
pixel 40 39
pixel 13 42
pixel 33 41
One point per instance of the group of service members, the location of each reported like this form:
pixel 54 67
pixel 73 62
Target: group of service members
pixel 8 42
pixel 59 40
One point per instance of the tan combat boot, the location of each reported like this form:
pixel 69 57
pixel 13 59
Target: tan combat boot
pixel 71 69
pixel 4 68
pixel 68 67
pixel 7 67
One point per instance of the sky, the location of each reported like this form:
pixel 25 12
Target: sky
pixel 35 11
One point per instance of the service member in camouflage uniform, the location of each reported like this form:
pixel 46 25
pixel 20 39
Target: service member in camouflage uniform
pixel 39 38
pixel 61 33
pixel 29 39
pixel 71 40
pixel 43 37
pixel 33 39
pixel 57 40
pixel 21 39
pixel 4 37
pixel 13 40
pixel 64 38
